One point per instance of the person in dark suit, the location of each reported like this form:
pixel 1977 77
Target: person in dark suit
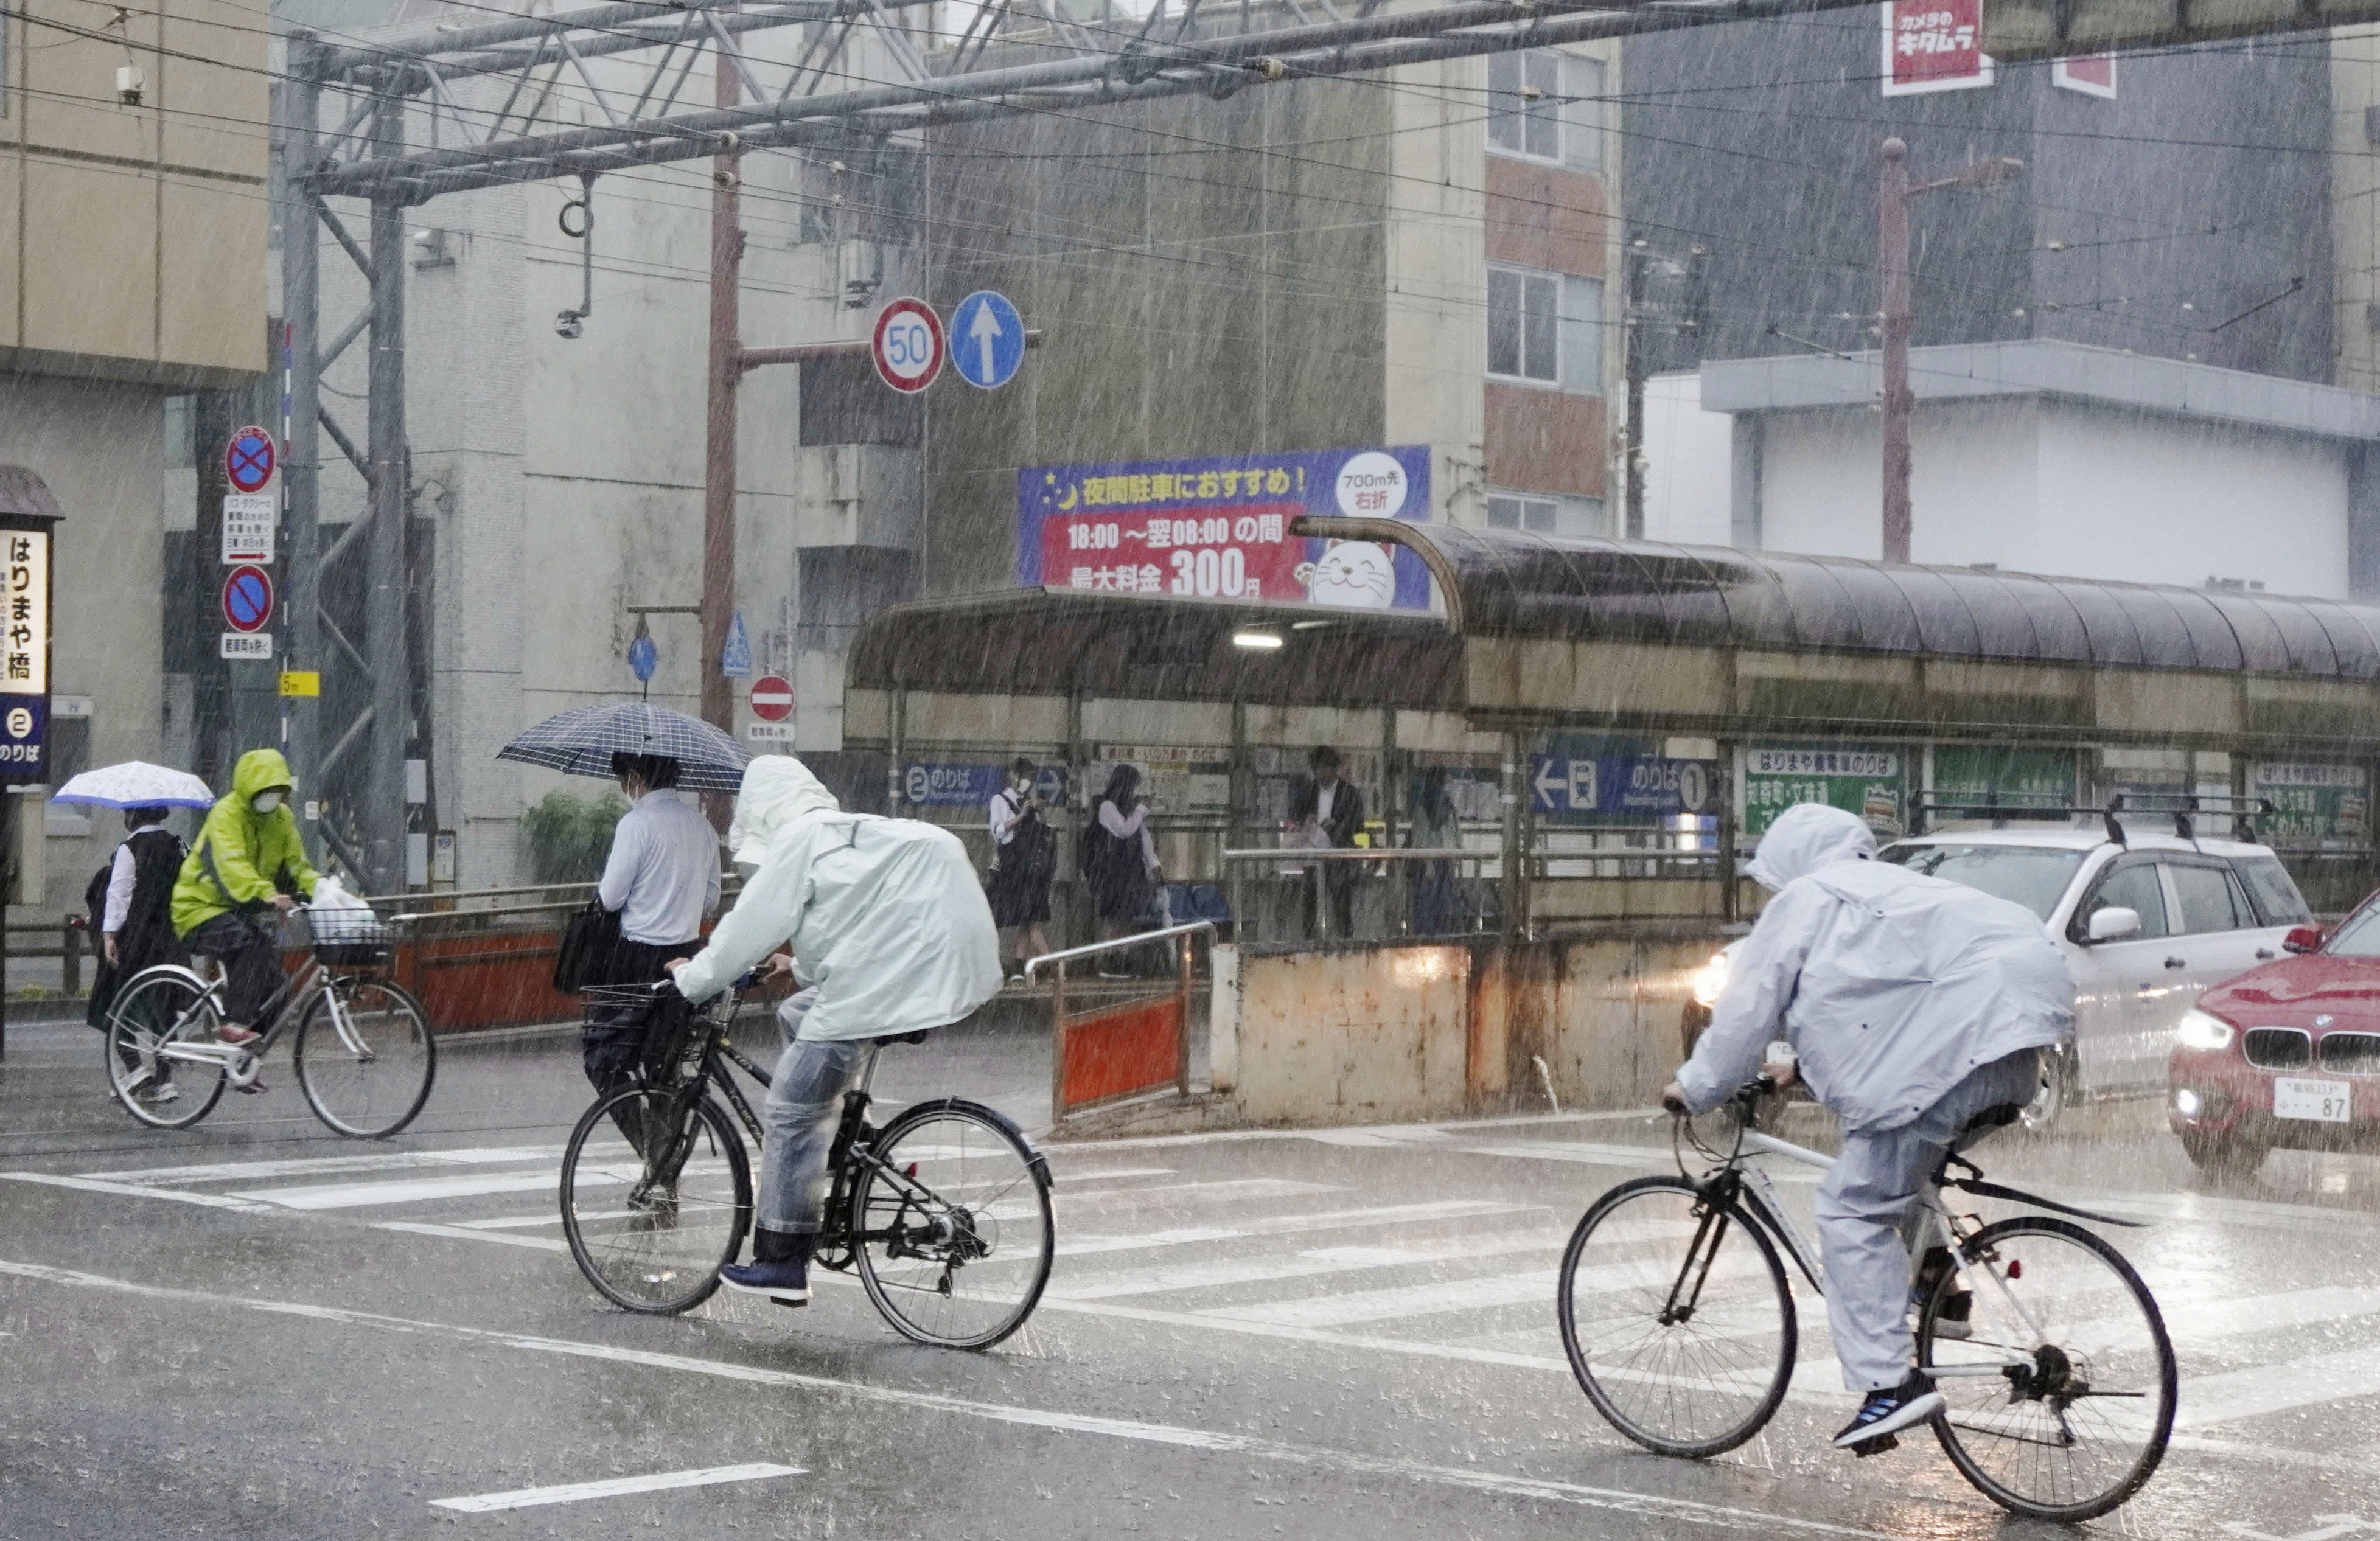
pixel 1328 811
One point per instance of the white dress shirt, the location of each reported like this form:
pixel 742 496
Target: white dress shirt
pixel 1122 828
pixel 662 876
pixel 120 875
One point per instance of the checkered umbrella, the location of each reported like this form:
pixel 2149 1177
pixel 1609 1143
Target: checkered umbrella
pixel 582 741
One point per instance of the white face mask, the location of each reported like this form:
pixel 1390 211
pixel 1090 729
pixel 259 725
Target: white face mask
pixel 266 802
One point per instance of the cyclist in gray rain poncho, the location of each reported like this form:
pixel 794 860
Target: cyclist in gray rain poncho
pixel 1912 1005
pixel 888 934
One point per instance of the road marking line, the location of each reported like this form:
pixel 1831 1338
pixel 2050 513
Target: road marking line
pixel 1323 1261
pixel 1410 1300
pixel 351 1196
pixel 1236 1136
pixel 93 1185
pixel 1353 1463
pixel 420 1228
pixel 573 1492
pixel 1232 1188
pixel 1321 1219
pixel 2216 1399
pixel 393 1161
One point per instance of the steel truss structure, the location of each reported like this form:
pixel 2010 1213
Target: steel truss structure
pixel 483 92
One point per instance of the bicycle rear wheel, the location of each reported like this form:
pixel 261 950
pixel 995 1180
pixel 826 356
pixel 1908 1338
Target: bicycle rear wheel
pixel 2079 1419
pixel 954 1230
pixel 1677 1318
pixel 651 1233
pixel 365 1058
pixel 156 1011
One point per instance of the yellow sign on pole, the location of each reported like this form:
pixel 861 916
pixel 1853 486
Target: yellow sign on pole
pixel 301 681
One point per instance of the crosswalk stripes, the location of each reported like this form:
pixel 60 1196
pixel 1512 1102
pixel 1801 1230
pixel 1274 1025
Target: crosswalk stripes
pixel 1316 1265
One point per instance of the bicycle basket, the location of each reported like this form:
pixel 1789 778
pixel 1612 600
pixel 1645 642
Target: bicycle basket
pixel 350 938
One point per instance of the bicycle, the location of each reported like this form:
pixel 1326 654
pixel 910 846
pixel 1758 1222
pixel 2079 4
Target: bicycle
pixel 362 1049
pixel 2051 1353
pixel 945 1212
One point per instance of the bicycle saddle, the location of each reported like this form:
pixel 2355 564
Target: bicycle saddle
pixel 1998 1116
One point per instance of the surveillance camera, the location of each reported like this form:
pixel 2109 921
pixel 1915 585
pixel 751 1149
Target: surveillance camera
pixel 567 325
pixel 129 85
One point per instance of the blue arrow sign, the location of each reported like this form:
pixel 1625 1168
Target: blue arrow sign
pixel 987 340
pixel 735 656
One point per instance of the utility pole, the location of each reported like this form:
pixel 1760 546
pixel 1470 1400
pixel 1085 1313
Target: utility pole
pixel 719 425
pixel 1893 194
pixel 1633 442
pixel 1668 295
pixel 1892 256
pixel 301 236
pixel 391 730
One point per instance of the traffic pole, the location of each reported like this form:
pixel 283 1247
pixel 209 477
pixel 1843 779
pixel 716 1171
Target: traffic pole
pixel 1892 257
pixel 719 423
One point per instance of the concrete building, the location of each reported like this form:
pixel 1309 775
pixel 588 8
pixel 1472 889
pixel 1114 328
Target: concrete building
pixel 2040 457
pixel 132 238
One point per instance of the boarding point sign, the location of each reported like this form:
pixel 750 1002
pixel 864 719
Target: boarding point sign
pixel 1934 46
pixel 1220 528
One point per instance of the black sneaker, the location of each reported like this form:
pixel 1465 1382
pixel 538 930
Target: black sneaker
pixel 1887 1412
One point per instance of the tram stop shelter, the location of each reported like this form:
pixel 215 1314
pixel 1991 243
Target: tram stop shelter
pixel 1714 685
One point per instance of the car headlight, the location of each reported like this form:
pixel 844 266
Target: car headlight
pixel 1711 980
pixel 2199 1029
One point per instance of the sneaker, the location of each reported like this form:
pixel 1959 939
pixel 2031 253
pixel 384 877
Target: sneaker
pixel 780 1268
pixel 157 1094
pixel 233 1033
pixel 1888 1411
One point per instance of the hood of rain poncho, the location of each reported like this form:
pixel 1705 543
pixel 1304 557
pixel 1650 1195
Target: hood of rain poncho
pixel 261 771
pixel 1806 837
pixel 778 789
pixel 1892 986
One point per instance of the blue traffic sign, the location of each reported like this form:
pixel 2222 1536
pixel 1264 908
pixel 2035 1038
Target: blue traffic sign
pixel 643 657
pixel 248 598
pixel 735 656
pixel 987 340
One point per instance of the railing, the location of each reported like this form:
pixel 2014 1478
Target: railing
pixel 1305 869
pixel 1114 1052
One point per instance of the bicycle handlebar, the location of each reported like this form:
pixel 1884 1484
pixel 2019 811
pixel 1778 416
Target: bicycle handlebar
pixel 1746 1095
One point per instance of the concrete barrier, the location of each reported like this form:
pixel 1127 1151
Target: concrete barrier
pixel 1392 1032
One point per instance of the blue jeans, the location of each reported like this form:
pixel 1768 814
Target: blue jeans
pixel 799 1119
pixel 1866 1204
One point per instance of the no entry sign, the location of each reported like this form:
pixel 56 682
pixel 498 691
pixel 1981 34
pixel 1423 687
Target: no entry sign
pixel 247 460
pixel 909 346
pixel 248 598
pixel 772 697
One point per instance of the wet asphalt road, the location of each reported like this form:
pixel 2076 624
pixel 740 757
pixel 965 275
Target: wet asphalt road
pixel 227 1338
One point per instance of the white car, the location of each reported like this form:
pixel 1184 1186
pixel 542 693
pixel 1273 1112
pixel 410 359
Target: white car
pixel 2145 924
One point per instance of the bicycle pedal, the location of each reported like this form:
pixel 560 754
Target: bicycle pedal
pixel 788 1305
pixel 1876 1446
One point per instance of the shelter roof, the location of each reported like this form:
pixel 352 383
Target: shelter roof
pixel 1508 583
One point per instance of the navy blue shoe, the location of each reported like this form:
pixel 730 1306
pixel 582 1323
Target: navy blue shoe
pixel 780 1267
pixel 1888 1411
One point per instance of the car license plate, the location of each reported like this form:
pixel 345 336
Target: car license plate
pixel 2320 1101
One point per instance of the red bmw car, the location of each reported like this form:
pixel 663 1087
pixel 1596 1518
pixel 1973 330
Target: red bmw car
pixel 2287 1055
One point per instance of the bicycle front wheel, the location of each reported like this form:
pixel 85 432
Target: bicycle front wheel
pixel 157 1013
pixel 1677 1318
pixel 2060 1382
pixel 651 1223
pixel 365 1058
pixel 954 1230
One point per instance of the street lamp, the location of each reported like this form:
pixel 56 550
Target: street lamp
pixel 1892 257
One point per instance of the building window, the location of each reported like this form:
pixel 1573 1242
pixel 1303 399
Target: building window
pixel 1563 518
pixel 1546 328
pixel 1523 325
pixel 1547 105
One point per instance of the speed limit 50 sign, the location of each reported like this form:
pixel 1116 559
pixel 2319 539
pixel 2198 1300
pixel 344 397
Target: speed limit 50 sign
pixel 908 346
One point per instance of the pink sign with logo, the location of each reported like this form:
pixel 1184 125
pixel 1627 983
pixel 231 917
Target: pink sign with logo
pixel 1934 46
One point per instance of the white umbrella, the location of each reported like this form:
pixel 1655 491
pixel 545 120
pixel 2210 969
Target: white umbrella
pixel 136 783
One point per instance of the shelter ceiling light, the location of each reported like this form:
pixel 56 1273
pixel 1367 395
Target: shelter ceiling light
pixel 1251 639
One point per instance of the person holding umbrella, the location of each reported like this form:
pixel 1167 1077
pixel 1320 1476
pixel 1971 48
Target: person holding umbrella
pixel 130 899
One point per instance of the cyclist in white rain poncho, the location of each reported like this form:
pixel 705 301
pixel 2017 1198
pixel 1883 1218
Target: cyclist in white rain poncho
pixel 888 934
pixel 1912 1005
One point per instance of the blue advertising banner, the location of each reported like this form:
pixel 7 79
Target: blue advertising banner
pixel 1218 529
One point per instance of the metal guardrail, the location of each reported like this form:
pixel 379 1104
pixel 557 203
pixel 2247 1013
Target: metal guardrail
pixel 1308 862
pixel 1180 936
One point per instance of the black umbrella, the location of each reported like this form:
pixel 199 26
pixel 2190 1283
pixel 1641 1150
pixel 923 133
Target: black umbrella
pixel 581 742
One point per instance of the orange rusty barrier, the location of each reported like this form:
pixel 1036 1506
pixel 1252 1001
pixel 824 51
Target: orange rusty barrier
pixel 1115 1051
